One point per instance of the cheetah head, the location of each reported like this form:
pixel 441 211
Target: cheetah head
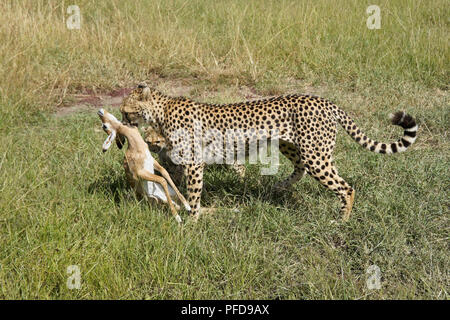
pixel 141 106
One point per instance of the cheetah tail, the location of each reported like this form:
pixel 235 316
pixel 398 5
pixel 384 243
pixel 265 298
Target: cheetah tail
pixel 399 118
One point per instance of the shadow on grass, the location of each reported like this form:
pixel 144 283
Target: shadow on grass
pixel 221 181
pixel 110 183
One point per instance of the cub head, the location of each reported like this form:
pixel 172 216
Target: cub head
pixel 140 106
pixel 155 141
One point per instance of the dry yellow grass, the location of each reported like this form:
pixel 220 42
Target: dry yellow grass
pixel 255 43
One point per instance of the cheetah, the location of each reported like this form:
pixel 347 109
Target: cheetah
pixel 304 125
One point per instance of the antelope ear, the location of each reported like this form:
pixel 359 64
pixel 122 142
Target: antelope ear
pixel 108 141
pixel 120 141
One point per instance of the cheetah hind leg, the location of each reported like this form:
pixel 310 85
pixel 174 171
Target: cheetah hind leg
pixel 290 152
pixel 299 172
pixel 329 178
pixel 347 209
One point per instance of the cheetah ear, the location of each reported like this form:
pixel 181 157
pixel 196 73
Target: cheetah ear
pixel 146 93
pixel 142 85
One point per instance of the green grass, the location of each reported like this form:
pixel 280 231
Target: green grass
pixel 63 202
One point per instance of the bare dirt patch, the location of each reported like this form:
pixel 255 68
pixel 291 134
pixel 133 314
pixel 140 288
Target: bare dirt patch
pixel 91 100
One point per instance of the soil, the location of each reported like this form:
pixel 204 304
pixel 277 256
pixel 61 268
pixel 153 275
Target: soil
pixel 91 100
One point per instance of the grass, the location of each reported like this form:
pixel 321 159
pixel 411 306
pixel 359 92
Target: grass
pixel 64 203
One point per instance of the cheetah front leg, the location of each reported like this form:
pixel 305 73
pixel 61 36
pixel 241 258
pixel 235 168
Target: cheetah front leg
pixel 194 182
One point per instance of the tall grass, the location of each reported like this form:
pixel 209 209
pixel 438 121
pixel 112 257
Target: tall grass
pixel 234 41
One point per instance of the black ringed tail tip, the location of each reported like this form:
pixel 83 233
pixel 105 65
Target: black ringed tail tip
pixel 399 118
pixel 408 123
pixel 403 120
